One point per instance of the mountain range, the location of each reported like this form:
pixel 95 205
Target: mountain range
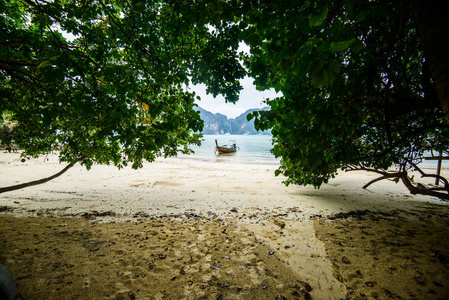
pixel 220 124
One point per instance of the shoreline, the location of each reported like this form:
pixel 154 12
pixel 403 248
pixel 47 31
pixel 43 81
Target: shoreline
pixel 178 186
pixel 245 199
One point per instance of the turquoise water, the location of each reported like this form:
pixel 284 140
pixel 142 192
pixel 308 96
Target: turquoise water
pixel 251 149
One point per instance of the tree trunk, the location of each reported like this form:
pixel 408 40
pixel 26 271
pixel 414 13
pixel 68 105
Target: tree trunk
pixel 36 182
pixel 432 17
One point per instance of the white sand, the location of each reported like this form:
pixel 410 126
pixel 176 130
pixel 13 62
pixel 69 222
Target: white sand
pixel 249 194
pixel 178 186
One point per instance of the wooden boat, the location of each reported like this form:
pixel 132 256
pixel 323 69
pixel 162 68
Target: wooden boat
pixel 232 147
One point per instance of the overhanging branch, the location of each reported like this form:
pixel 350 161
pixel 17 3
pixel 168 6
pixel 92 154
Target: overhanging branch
pixel 35 182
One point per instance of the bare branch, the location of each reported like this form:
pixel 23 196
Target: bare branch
pixel 393 175
pixel 16 62
pixel 35 182
pixel 403 176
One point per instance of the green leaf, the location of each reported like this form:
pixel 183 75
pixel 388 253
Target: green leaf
pixel 44 64
pixel 323 47
pixel 278 87
pixel 318 19
pixel 361 16
pixel 318 75
pixel 334 66
pixel 333 69
pixel 340 46
pixel 319 78
pixel 304 49
pixel 357 46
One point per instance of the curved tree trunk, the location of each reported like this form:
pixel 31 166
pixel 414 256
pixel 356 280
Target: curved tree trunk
pixel 432 17
pixel 414 189
pixel 35 182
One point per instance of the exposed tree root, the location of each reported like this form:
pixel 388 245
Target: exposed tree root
pixel 414 187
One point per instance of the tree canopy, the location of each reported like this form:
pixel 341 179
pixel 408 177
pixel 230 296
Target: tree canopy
pixel 357 89
pixel 364 83
pixel 105 81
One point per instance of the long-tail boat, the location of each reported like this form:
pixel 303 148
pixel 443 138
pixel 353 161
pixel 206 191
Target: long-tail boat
pixel 223 149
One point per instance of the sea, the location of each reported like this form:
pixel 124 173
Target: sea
pixel 254 149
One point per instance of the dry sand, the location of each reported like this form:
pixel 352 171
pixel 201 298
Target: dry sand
pixel 188 229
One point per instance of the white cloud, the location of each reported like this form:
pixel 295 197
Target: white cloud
pixel 249 98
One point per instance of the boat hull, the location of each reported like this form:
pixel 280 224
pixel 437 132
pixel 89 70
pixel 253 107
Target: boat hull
pixel 222 150
pixel 225 149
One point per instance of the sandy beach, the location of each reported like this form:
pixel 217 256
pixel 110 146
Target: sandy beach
pixel 182 228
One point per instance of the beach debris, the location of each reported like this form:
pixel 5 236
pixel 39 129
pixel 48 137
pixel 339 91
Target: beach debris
pixel 141 214
pixel 270 252
pixel 94 213
pixel 390 294
pixel 4 208
pixel 316 216
pixel 306 286
pixel 345 260
pixel 420 280
pixel 337 242
pixel 126 295
pixel 281 215
pixel 294 209
pixel 234 210
pixel 279 222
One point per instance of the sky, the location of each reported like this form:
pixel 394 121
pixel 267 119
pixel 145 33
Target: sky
pixel 249 98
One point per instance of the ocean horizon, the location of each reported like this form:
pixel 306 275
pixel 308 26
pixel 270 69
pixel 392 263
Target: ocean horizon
pixel 253 149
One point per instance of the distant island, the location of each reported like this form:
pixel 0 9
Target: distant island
pixel 220 124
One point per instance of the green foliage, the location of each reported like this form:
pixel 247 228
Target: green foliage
pixel 354 82
pixel 104 81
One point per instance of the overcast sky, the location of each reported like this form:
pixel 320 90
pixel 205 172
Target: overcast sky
pixel 249 98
